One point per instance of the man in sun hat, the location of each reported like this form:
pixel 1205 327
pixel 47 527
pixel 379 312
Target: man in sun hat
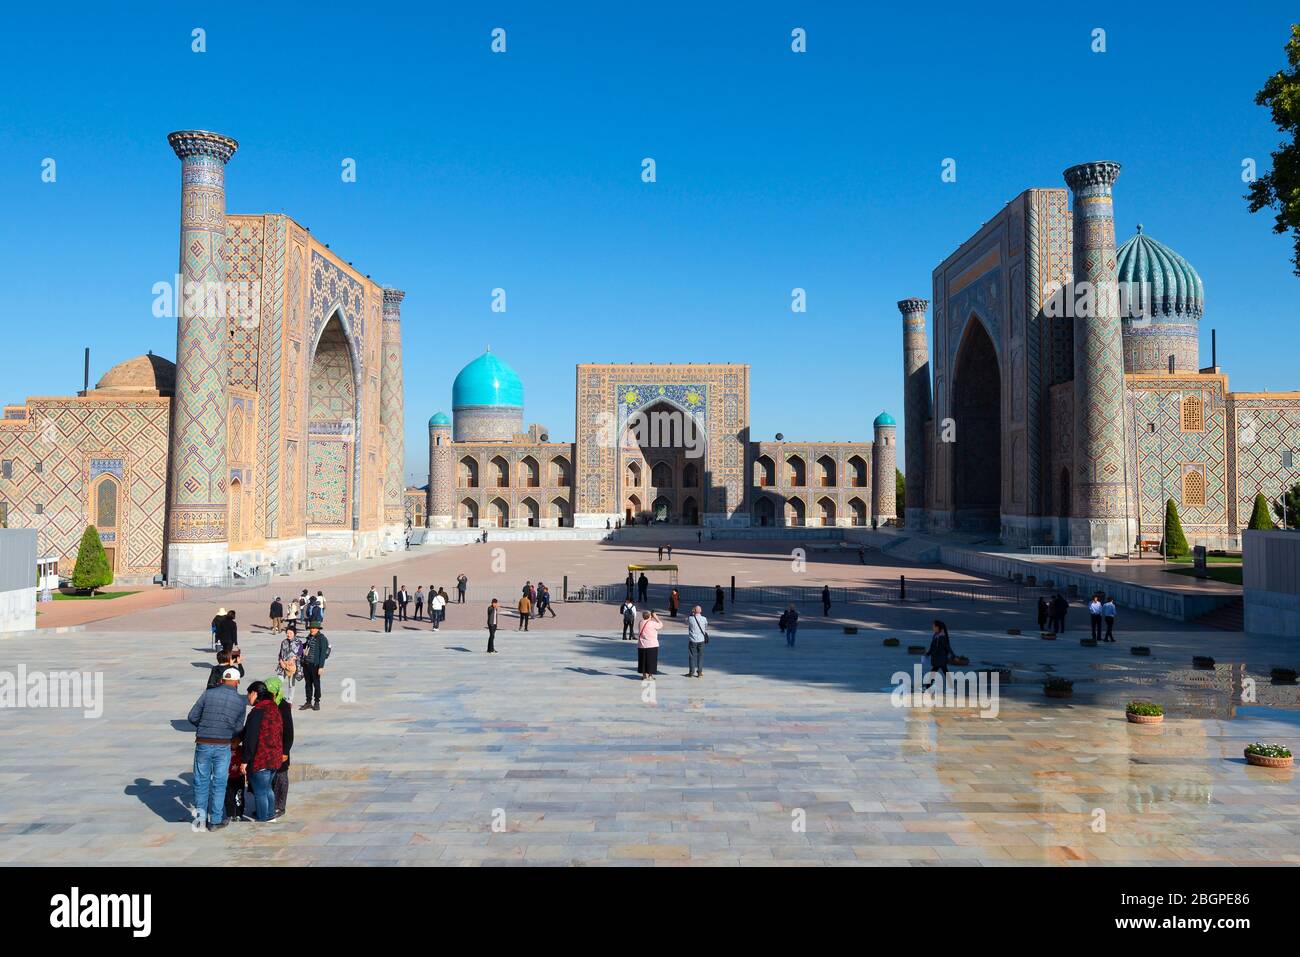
pixel 217 716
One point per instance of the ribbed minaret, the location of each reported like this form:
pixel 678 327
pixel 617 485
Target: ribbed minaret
pixel 391 417
pixel 440 504
pixel 197 542
pixel 916 407
pixel 884 464
pixel 1098 510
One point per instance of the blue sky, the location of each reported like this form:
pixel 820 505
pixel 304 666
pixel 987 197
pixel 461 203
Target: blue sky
pixel 522 171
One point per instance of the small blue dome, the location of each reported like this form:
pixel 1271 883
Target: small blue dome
pixel 487 381
pixel 884 418
pixel 440 418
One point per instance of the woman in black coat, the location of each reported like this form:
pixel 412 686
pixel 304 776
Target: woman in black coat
pixel 940 651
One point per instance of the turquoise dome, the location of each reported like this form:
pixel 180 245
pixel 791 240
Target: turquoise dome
pixel 1175 287
pixel 884 418
pixel 487 381
pixel 439 418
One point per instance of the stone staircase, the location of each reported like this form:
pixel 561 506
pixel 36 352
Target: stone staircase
pixel 1230 616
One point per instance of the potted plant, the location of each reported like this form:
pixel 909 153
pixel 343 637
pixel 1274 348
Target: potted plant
pixel 1268 755
pixel 1047 635
pixel 959 660
pixel 1144 712
pixel 917 649
pixel 850 629
pixel 1202 661
pixel 1088 642
pixel 1142 651
pixel 1058 688
pixel 891 642
pixel 1013 631
pixel 1285 675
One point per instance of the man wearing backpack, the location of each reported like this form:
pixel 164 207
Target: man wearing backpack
pixel 314 657
pixel 628 610
pixel 697 636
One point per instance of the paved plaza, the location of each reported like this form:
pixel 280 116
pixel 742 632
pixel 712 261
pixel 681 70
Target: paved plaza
pixel 427 751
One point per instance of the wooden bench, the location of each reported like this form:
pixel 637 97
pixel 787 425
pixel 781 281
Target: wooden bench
pixel 1148 544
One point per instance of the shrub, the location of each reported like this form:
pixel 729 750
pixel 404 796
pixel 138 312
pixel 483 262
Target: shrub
pixel 1148 708
pixel 1059 684
pixel 1268 750
pixel 91 572
pixel 1259 517
pixel 1175 540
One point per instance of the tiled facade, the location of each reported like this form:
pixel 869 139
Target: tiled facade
pixel 715 476
pixel 1024 420
pixel 278 449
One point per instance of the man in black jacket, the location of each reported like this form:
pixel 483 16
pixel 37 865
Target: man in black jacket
pixel 390 608
pixel 314 657
pixel 493 613
pixel 277 615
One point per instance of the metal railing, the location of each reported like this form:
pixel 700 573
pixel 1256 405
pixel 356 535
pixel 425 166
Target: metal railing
pixel 1061 551
pixel 924 592
pixel 253 579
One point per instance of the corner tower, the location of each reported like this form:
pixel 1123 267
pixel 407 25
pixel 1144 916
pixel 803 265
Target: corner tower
pixel 884 463
pixel 440 505
pixel 916 408
pixel 1098 515
pixel 198 546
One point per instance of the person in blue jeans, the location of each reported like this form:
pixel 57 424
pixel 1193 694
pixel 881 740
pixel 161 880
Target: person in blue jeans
pixel 217 717
pixel 789 624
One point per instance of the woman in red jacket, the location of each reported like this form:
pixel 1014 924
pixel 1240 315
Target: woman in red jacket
pixel 263 747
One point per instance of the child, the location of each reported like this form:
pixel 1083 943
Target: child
pixel 235 783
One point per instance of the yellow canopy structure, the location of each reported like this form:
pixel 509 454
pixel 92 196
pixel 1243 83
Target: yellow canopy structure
pixel 670 569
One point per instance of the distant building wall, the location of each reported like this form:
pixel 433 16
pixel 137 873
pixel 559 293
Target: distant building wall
pixel 1271 580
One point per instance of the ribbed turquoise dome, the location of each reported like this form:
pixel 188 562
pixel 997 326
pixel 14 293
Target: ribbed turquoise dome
pixel 884 418
pixel 1175 287
pixel 487 381
pixel 440 418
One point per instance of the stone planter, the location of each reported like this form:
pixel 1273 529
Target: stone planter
pixel 1260 761
pixel 1144 718
pixel 850 629
pixel 1059 692
pixel 1142 651
pixel 1202 661
pixel 1284 675
pixel 960 661
pixel 1013 631
pixel 1048 635
pixel 917 649
pixel 891 642
pixel 1088 642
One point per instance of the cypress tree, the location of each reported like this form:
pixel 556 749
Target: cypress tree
pixel 1175 540
pixel 1259 517
pixel 92 571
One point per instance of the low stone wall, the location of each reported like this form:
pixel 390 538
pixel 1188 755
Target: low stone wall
pixel 1154 601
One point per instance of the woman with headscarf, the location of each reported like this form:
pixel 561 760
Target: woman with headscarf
pixel 280 782
pixel 263 748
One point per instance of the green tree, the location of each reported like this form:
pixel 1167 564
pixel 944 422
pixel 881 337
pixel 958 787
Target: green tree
pixel 900 495
pixel 1175 540
pixel 1279 189
pixel 92 571
pixel 1259 517
pixel 1290 518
